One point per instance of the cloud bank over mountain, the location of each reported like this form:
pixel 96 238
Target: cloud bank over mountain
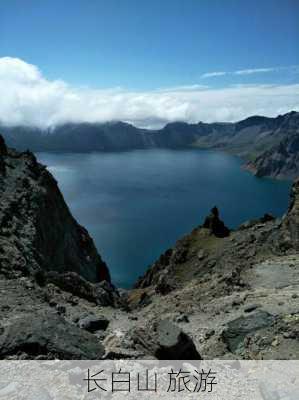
pixel 29 98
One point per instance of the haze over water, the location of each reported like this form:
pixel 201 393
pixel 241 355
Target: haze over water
pixel 137 204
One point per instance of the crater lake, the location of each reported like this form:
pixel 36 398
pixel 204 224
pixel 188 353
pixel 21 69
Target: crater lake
pixel 137 204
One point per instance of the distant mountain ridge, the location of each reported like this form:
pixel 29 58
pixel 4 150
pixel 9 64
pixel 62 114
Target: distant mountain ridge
pixel 254 139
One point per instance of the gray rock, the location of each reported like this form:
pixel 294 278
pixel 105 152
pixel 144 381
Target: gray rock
pixel 105 294
pixel 46 333
pixel 238 329
pixel 92 323
pixel 39 229
pixel 281 160
pixel 164 341
pixel 102 293
pixel 174 344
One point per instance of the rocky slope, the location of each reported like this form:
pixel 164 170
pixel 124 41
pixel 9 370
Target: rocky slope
pixel 281 161
pixel 37 228
pixel 236 295
pixel 252 136
pixel 248 138
pixel 217 294
pixel 42 246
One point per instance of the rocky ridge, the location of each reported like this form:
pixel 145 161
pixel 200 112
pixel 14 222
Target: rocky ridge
pixel 237 296
pixel 38 231
pixel 268 143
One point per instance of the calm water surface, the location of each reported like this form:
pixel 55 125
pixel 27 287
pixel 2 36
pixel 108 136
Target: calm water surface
pixel 137 204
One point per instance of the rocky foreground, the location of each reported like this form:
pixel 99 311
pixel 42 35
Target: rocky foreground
pixel 216 294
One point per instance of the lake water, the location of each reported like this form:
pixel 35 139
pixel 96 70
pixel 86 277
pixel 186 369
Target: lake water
pixel 137 204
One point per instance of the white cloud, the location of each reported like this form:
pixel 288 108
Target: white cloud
pixel 28 98
pixel 250 71
pixel 183 88
pixel 254 71
pixel 16 70
pixel 213 74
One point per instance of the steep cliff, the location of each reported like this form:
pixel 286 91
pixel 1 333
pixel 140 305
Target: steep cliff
pixel 281 161
pixel 37 230
pixel 47 262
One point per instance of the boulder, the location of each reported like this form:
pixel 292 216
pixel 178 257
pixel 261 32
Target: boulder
pixel 174 344
pixel 238 329
pixel 93 323
pixel 48 334
pixel 165 341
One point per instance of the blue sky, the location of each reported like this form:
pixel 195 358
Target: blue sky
pixel 205 56
pixel 148 44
